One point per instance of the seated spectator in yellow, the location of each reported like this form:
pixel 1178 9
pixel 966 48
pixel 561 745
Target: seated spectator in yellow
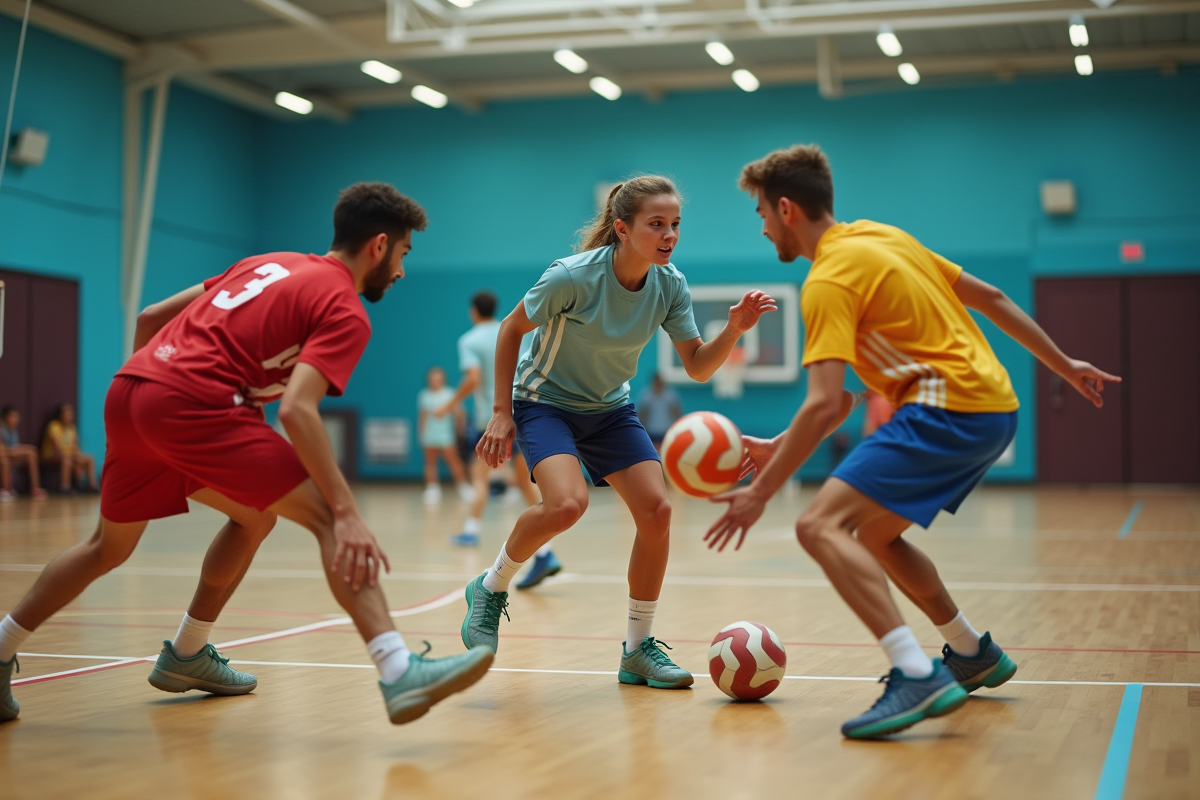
pixel 60 445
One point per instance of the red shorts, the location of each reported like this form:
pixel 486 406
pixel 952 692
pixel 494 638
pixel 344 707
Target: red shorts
pixel 163 446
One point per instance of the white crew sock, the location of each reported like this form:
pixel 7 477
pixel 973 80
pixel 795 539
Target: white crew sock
pixel 544 550
pixel 905 653
pixel 192 636
pixel 390 654
pixel 641 620
pixel 12 636
pixel 471 525
pixel 961 637
pixel 502 572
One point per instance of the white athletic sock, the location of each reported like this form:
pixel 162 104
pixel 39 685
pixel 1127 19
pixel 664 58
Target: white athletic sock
pixel 502 572
pixel 192 636
pixel 471 525
pixel 390 654
pixel 905 653
pixel 12 636
pixel 961 637
pixel 544 550
pixel 640 621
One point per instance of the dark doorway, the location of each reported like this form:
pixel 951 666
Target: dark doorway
pixel 1148 331
pixel 40 365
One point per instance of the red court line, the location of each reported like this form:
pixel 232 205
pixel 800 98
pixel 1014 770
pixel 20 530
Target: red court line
pixel 66 623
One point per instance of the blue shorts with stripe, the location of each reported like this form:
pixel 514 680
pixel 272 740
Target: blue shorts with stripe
pixel 604 443
pixel 927 459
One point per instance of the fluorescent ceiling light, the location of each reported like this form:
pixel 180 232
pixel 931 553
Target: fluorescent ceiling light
pixel 381 71
pixel 605 88
pixel 571 61
pixel 1078 31
pixel 720 53
pixel 293 102
pixel 888 42
pixel 463 3
pixel 430 97
pixel 745 80
pixel 909 74
pixel 1083 65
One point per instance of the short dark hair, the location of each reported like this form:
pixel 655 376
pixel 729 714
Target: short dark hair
pixel 800 173
pixel 484 304
pixel 4 412
pixel 365 210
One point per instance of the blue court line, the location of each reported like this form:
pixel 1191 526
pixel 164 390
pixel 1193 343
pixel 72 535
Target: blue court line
pixel 1116 763
pixel 1132 518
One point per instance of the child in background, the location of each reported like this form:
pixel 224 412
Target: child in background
pixel 438 437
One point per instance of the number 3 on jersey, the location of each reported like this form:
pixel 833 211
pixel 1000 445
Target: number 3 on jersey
pixel 271 273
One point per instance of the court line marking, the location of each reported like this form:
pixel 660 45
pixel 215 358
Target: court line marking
pixel 1132 518
pixel 676 580
pixel 316 664
pixel 1120 747
pixel 429 605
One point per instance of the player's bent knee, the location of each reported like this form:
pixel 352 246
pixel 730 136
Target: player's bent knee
pixel 566 512
pixel 657 517
pixel 809 531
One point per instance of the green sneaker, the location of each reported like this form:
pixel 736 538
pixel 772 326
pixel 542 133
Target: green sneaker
pixel 207 671
pixel 650 666
pixel 990 667
pixel 431 680
pixel 9 707
pixel 481 626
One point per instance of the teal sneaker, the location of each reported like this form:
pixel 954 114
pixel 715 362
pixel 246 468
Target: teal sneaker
pixel 431 680
pixel 906 701
pixel 650 666
pixel 543 567
pixel 481 626
pixel 207 671
pixel 990 668
pixel 9 707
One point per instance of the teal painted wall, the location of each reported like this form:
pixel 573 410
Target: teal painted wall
pixel 63 217
pixel 959 168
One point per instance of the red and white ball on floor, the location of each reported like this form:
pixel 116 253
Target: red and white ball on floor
pixel 702 454
pixel 747 661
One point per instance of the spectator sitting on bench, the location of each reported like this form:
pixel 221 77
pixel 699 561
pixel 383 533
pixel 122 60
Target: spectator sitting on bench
pixel 60 445
pixel 17 454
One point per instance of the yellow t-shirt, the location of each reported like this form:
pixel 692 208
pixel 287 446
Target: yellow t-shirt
pixel 878 300
pixel 55 430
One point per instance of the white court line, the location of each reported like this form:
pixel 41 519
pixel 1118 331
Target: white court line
pixel 676 580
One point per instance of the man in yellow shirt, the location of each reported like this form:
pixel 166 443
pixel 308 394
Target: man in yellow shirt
pixel 897 314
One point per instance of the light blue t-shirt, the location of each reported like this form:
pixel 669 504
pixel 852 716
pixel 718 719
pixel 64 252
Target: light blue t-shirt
pixel 591 330
pixel 438 431
pixel 477 348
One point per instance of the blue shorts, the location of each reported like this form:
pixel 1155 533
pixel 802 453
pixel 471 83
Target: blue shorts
pixel 927 459
pixel 604 443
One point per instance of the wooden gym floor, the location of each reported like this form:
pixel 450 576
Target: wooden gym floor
pixel 1095 593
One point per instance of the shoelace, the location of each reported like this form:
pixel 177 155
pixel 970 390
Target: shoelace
pixel 212 653
pixel 889 687
pixel 428 647
pixel 650 647
pixel 494 606
pixel 946 651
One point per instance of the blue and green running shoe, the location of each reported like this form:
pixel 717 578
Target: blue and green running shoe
pixel 543 567
pixel 9 707
pixel 481 626
pixel 906 701
pixel 990 668
pixel 650 666
pixel 431 680
pixel 207 671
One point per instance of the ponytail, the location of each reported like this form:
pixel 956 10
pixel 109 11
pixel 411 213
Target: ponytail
pixel 624 202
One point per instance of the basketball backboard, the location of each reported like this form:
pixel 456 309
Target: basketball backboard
pixel 771 349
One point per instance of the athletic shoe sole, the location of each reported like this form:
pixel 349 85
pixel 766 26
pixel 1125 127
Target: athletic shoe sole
pixel 634 679
pixel 416 703
pixel 999 673
pixel 949 698
pixel 171 682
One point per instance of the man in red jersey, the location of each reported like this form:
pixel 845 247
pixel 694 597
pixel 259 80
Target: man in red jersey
pixel 184 419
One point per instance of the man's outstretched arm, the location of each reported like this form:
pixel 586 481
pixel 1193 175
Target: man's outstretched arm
pixel 1008 317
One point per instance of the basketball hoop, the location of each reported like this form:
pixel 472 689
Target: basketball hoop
pixel 729 380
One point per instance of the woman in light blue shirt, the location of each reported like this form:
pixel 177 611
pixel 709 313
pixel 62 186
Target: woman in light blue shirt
pixel 567 402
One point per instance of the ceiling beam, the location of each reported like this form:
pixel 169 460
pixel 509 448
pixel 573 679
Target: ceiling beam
pixel 74 28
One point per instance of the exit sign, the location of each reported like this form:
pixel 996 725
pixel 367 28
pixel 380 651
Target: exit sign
pixel 1133 252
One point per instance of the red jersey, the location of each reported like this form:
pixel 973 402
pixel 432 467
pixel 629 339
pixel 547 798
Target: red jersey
pixel 239 341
